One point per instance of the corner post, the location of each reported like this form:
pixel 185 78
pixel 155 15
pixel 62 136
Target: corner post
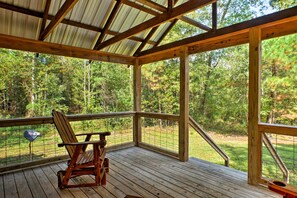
pixel 254 136
pixel 184 106
pixel 137 102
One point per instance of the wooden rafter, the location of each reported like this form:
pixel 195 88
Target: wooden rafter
pixel 182 18
pixel 64 21
pixel 45 16
pixel 108 22
pixel 140 7
pixel 166 32
pixel 167 16
pixel 273 25
pixel 195 23
pixel 161 9
pixel 153 5
pixel 153 30
pixel 30 45
pixel 147 38
pixel 170 4
pixel 214 16
pixel 66 7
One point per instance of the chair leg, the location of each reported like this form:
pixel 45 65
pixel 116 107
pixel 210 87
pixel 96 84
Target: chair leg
pixel 106 165
pixel 60 175
pixel 103 177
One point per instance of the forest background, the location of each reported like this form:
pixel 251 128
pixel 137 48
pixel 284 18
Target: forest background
pixel 32 86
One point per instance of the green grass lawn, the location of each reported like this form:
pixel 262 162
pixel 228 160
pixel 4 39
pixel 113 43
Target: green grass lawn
pixel 236 147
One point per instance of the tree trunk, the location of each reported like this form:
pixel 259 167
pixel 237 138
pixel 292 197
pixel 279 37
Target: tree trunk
pixel 202 108
pixel 272 95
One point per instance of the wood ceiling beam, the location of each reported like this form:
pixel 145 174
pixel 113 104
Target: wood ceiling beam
pixel 108 22
pixel 170 3
pixel 214 16
pixel 140 7
pixel 164 9
pixel 63 11
pixel 152 31
pixel 273 25
pixel 11 42
pixel 64 21
pixel 45 16
pixel 167 16
pixel 153 5
pixel 148 37
pixel 166 32
pixel 195 23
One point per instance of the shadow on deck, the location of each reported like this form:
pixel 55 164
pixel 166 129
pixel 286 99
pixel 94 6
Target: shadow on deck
pixel 137 172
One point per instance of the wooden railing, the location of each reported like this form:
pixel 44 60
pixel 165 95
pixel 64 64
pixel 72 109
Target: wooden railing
pixel 158 148
pixel 209 140
pixel 278 130
pixel 13 126
pixel 49 120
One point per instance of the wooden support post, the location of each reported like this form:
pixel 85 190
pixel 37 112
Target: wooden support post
pixel 184 106
pixel 254 136
pixel 137 102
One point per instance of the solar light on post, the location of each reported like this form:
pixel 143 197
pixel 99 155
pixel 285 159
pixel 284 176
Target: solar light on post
pixel 31 135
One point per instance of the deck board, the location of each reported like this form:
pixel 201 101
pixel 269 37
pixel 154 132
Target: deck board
pixel 10 189
pixel 33 183
pixel 195 175
pixel 1 186
pixel 22 185
pixel 137 172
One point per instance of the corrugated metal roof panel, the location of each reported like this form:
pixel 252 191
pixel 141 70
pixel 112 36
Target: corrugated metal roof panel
pixel 90 12
pixel 19 25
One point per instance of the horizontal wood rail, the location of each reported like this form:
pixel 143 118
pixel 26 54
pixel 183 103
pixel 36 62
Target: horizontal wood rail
pixel 278 129
pixel 209 140
pixel 158 150
pixel 278 160
pixel 48 120
pixel 162 116
pixel 37 163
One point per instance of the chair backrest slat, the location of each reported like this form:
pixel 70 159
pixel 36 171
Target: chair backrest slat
pixel 65 130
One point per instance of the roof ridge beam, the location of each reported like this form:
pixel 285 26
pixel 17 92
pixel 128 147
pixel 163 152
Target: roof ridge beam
pixel 167 16
pixel 63 11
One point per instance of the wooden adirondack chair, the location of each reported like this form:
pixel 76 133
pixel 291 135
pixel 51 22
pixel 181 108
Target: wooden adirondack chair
pixel 82 161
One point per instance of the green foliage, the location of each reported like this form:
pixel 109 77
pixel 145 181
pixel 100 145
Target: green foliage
pixel 33 86
pixel 279 82
pixel 282 4
pixel 160 85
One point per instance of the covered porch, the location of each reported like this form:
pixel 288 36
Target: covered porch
pixel 147 164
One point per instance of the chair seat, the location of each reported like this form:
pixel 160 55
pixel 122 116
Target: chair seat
pixel 85 157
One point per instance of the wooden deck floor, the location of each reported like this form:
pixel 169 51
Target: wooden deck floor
pixel 138 172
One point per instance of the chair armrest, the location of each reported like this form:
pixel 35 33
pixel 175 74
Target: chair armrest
pixel 96 133
pixel 99 142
